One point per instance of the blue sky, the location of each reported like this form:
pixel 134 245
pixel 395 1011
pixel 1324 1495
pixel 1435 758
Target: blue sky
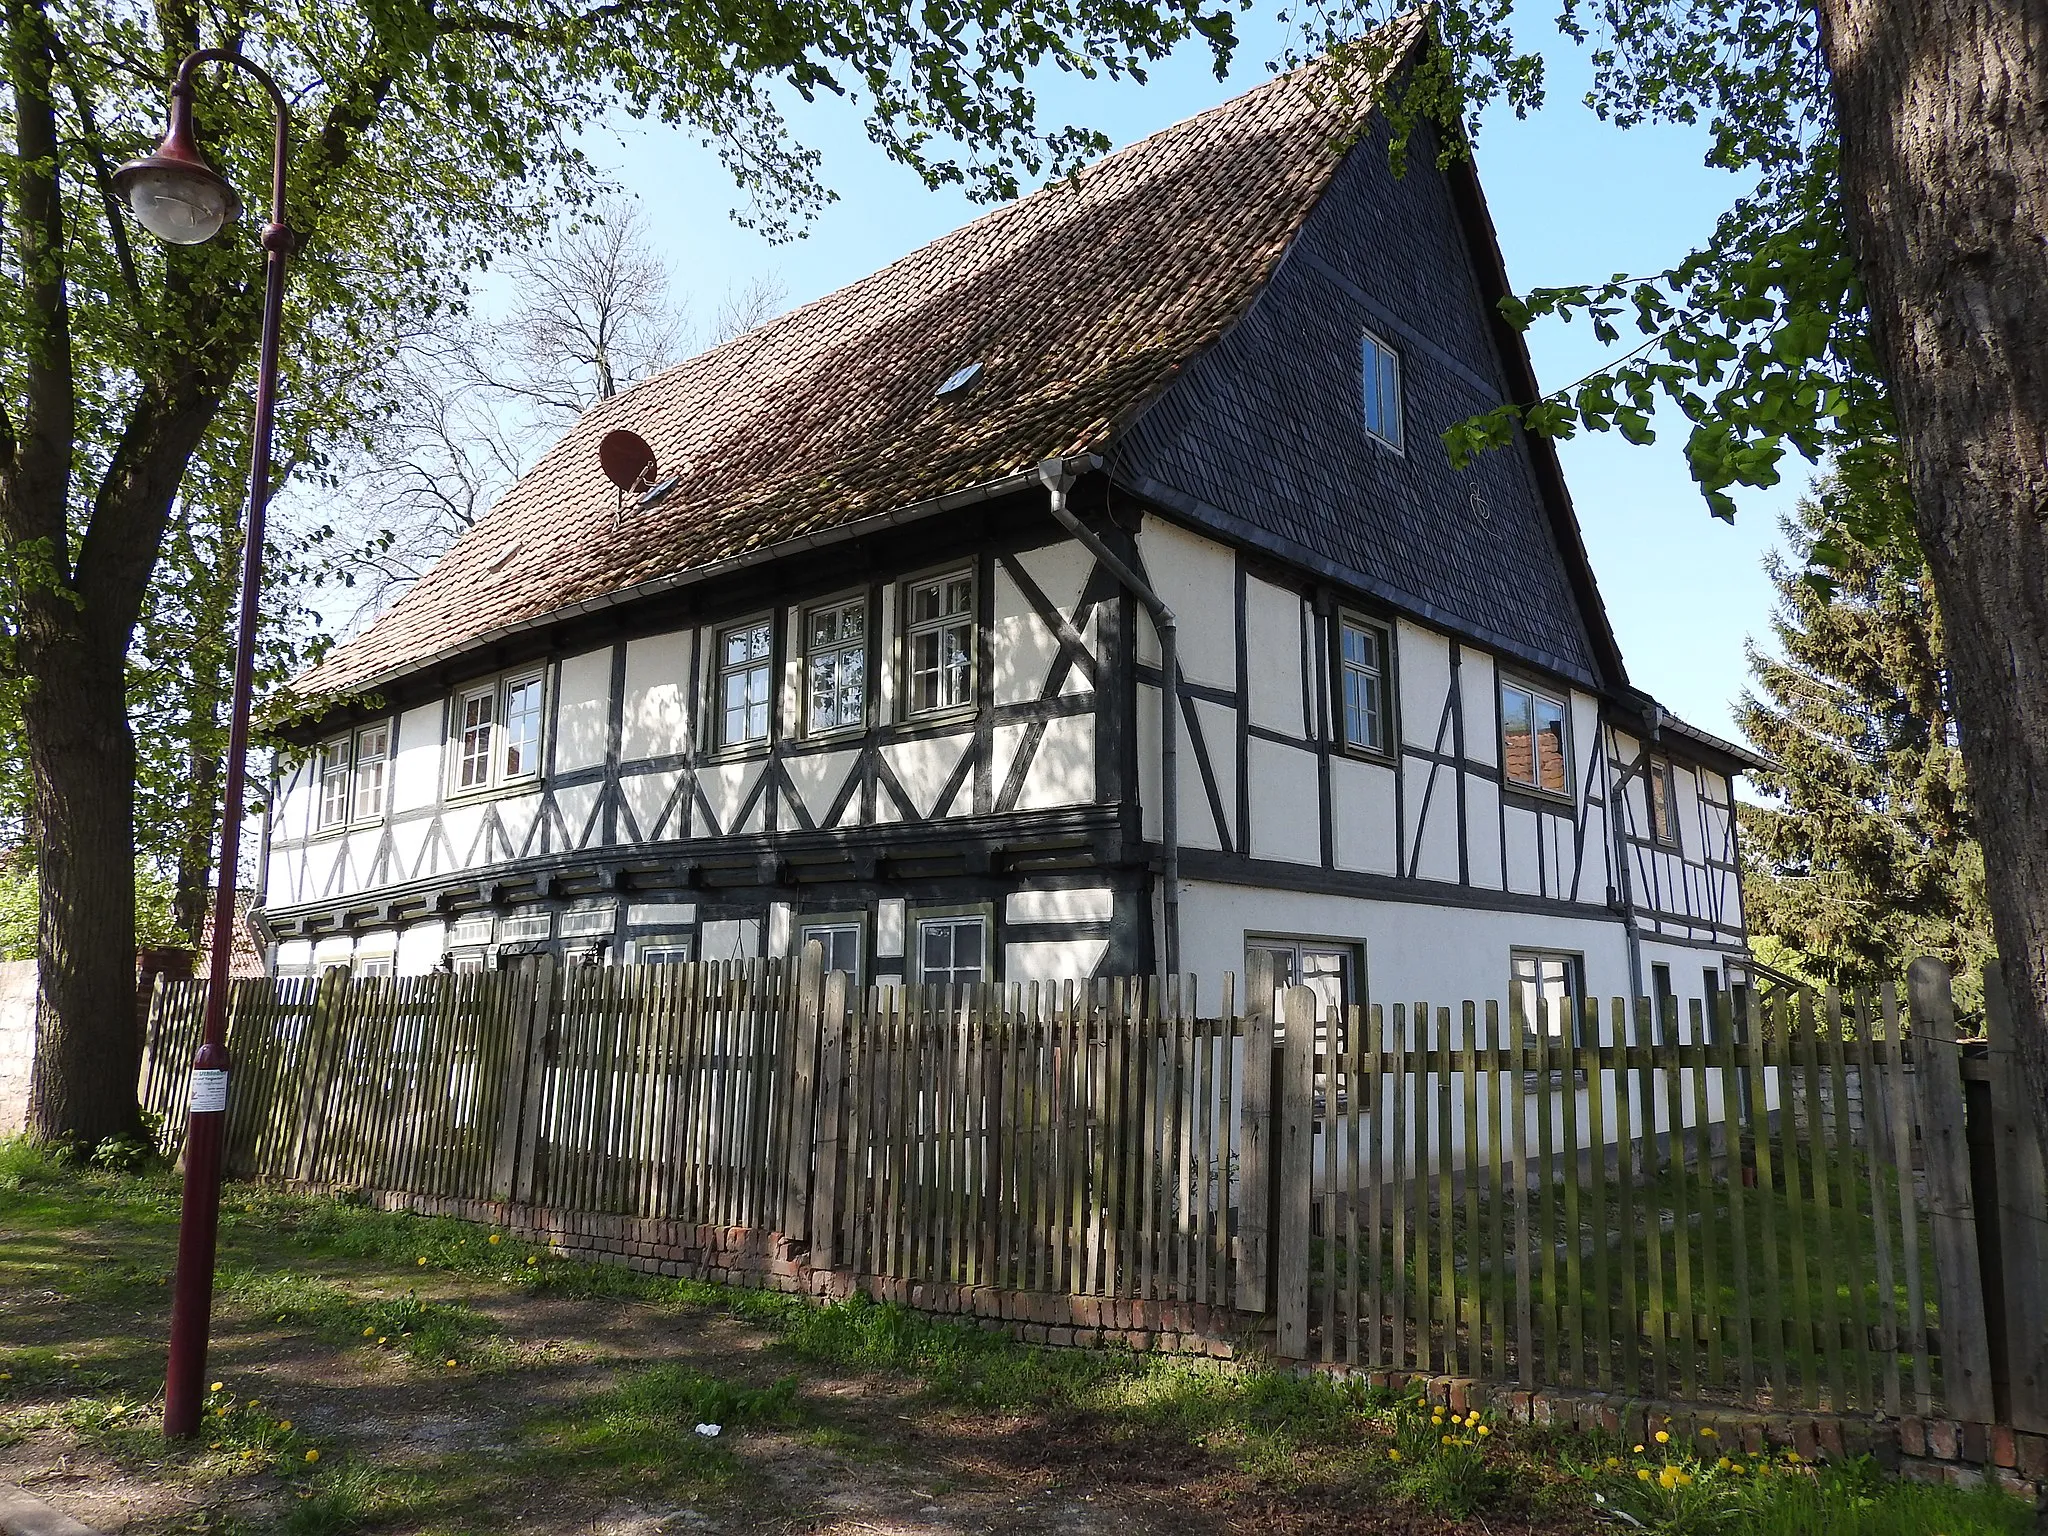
pixel 1573 199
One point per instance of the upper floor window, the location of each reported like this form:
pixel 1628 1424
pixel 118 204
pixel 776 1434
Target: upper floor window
pixel 744 677
pixel 836 667
pixel 938 634
pixel 334 783
pixel 1534 750
pixel 1362 659
pixel 373 766
pixel 1663 801
pixel 498 731
pixel 1382 390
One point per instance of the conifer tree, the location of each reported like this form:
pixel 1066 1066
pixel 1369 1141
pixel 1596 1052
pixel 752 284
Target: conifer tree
pixel 1866 855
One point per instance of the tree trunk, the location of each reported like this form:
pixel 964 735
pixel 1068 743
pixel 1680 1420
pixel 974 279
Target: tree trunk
pixel 1942 107
pixel 82 758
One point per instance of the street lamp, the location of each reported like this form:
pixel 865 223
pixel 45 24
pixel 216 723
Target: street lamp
pixel 178 197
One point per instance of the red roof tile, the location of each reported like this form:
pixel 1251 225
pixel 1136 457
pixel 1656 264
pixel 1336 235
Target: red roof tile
pixel 1080 301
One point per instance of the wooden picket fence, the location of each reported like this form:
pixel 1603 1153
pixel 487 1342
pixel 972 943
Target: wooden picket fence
pixel 1769 1205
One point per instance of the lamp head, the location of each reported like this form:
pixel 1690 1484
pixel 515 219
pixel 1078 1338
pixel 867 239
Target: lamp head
pixel 174 193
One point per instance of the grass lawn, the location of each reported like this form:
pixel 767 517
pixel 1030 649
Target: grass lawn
pixel 387 1373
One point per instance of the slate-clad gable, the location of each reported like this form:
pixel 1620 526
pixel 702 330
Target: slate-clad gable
pixel 1263 436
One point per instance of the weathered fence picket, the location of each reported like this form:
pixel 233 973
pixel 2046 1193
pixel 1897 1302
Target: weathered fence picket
pixel 1756 1202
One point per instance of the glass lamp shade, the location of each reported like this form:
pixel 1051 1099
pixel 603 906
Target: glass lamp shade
pixel 182 201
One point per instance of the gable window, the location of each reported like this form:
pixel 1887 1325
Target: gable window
pixel 1362 659
pixel 835 667
pixel 334 783
pixel 938 639
pixel 1534 751
pixel 478 723
pixel 743 679
pixel 1545 992
pixel 952 951
pixel 373 764
pixel 521 758
pixel 1382 390
pixel 1663 784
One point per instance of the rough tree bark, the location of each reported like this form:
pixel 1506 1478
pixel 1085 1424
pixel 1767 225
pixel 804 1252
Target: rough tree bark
pixel 1942 108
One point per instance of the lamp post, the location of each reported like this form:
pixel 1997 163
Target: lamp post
pixel 178 197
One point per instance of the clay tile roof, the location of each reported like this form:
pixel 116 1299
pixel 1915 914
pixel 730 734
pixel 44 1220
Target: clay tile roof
pixel 1079 301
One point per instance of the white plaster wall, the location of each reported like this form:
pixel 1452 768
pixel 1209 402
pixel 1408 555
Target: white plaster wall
pixel 1413 950
pixel 655 720
pixel 889 929
pixel 1432 819
pixel 647 798
pixel 420 946
pixel 333 951
pixel 732 939
pixel 1197 579
pixel 17 1041
pixel 1090 904
pixel 294 954
pixel 923 768
pixel 650 914
pixel 779 927
pixel 1423 662
pixel 819 777
pixel 1053 961
pixel 1273 656
pixel 1023 646
pixel 1480 686
pixel 1286 799
pixel 377 941
pixel 1362 815
pixel 583 710
pixel 1062 771
pixel 462 826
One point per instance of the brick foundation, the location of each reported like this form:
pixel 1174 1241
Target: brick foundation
pixel 1926 1450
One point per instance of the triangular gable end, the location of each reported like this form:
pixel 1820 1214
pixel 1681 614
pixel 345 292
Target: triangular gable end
pixel 1261 438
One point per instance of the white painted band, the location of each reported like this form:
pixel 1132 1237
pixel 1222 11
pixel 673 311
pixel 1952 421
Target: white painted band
pixel 209 1092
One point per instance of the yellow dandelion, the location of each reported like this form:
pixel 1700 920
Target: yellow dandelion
pixel 423 1261
pixel 213 1445
pixel 1791 1455
pixel 1663 1437
pixel 495 1239
pixel 1443 1439
pixel 383 1339
pixel 1393 1455
pixel 451 1364
pixel 1642 1474
pixel 1667 1479
pixel 1613 1463
pixel 531 1259
pixel 215 1387
pixel 1639 1450
pixel 1685 1479
pixel 1736 1467
pixel 1484 1430
pixel 1708 1433
pixel 312 1455
pixel 284 1424
pixel 369 1333
pixel 1724 1464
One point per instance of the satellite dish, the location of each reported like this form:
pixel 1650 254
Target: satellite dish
pixel 627 461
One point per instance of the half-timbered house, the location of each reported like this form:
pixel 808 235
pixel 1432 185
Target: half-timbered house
pixel 877 654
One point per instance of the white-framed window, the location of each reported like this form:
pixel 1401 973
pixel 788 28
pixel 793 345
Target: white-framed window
pixel 498 731
pixel 743 682
pixel 1535 739
pixel 938 642
pixel 334 784
pixel 1546 992
pixel 1382 375
pixel 835 667
pixel 1662 780
pixel 476 734
pixel 373 770
pixel 674 949
pixel 1363 654
pixel 463 962
pixel 840 938
pixel 952 950
pixel 520 746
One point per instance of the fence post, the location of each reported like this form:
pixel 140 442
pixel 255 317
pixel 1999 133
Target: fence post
pixel 831 1080
pixel 1297 1179
pixel 1965 1345
pixel 2021 1218
pixel 1254 1174
pixel 798 1127
pixel 323 1051
pixel 534 987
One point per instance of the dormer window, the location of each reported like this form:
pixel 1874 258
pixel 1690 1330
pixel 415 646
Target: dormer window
pixel 1382 375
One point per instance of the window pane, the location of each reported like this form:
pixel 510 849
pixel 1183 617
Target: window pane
pixel 334 784
pixel 1550 749
pixel 479 718
pixel 1517 710
pixel 1390 397
pixel 522 727
pixel 372 749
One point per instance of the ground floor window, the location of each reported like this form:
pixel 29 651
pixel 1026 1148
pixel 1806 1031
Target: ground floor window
pixel 372 965
pixel 669 949
pixel 839 937
pixel 1328 968
pixel 1546 990
pixel 952 950
pixel 464 961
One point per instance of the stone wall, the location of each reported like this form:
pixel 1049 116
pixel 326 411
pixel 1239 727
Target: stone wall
pixel 17 1041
